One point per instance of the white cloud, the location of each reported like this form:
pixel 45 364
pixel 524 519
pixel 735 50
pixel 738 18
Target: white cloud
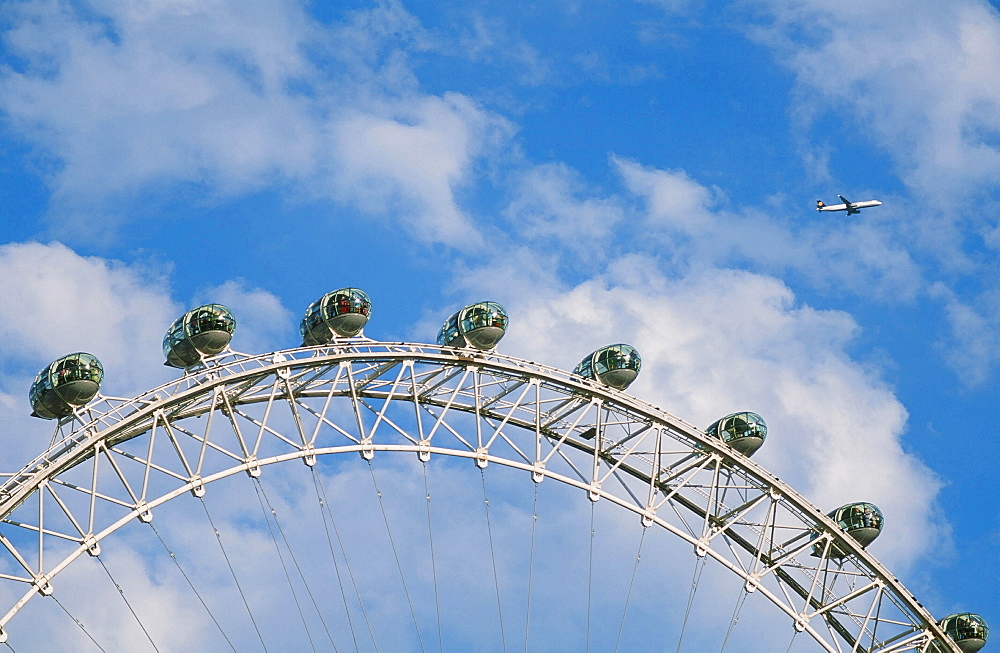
pixel 970 348
pixel 715 341
pixel 916 77
pixel 55 302
pixel 263 324
pixel 551 208
pixel 223 99
pixel 173 92
pixel 917 80
pixel 489 40
pixel 413 161
pixel 685 220
pixel 219 95
pixel 712 341
pixel 674 199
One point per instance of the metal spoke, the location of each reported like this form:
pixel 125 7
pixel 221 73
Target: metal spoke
pixel 699 566
pixel 531 568
pixel 736 616
pixel 75 620
pixel 229 564
pixel 295 562
pixel 590 570
pixel 493 559
pixel 430 538
pixel 117 459
pixel 201 600
pixel 284 568
pixel 325 510
pixel 395 553
pixel 631 582
pixel 121 593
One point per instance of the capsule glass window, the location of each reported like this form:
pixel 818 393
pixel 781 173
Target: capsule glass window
pixel 339 313
pixel 483 314
pixel 585 368
pixel 175 335
pixel 72 380
pixel 615 365
pixel 859 515
pixel 348 300
pixel 742 425
pixel 313 316
pixel 965 626
pixel 449 332
pixel 616 357
pixel 211 317
pixel 202 331
pixel 78 367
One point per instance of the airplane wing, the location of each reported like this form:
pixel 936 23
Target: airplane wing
pixel 843 199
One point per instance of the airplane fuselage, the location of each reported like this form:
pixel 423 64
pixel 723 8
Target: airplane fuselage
pixel 850 207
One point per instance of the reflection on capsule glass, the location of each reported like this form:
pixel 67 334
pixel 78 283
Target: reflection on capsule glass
pixel 968 630
pixel 65 384
pixel 199 333
pixel 614 365
pixel 862 521
pixel 341 313
pixel 744 431
pixel 480 325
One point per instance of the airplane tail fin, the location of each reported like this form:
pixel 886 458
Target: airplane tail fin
pixel 819 205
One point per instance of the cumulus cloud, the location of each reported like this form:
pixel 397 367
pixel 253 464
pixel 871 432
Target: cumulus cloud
pixel 712 341
pixel 53 302
pixel 133 98
pixel 487 40
pixel 169 92
pixel 674 199
pixel 916 80
pixel 263 323
pixel 970 349
pixel 716 339
pixel 413 163
pixel 215 95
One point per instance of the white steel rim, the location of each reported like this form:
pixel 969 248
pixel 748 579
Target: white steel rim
pixel 523 415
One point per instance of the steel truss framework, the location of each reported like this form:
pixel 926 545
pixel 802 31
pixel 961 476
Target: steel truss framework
pixel 116 460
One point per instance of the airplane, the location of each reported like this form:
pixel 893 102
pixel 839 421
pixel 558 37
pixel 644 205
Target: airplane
pixel 850 207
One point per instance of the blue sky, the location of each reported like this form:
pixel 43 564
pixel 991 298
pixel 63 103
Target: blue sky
pixel 641 172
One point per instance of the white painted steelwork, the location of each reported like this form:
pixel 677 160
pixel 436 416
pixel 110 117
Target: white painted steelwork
pixel 117 460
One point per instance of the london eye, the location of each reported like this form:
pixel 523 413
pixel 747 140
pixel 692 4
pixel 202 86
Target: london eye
pixel 670 535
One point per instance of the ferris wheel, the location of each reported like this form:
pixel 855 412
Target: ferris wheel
pixel 638 531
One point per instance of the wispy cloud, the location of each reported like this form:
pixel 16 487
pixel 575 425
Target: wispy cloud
pixel 133 101
pixel 917 81
pixel 263 323
pixel 915 78
pixel 128 101
pixel 716 338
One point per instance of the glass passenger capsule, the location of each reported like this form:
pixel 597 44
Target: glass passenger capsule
pixel 480 325
pixel 67 383
pixel 340 313
pixel 862 521
pixel 614 365
pixel 744 431
pixel 968 630
pixel 203 331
